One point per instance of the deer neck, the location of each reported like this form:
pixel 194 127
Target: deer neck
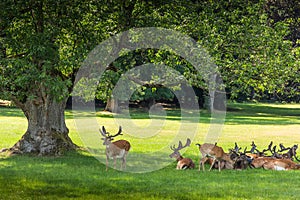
pixel 179 158
pixel 109 144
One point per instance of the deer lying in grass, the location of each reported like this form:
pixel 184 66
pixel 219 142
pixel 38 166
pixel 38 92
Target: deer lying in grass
pixel 182 163
pixel 260 161
pixel 281 164
pixel 114 150
pixel 274 163
pixel 214 151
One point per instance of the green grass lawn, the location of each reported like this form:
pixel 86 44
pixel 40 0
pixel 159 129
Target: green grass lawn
pixel 79 175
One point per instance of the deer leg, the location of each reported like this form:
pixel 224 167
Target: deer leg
pixel 124 163
pixel 201 162
pixel 115 162
pixel 107 163
pixel 212 164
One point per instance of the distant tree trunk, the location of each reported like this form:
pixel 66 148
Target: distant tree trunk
pixel 47 133
pixel 112 105
pixel 151 102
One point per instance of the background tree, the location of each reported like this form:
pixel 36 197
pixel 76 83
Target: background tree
pixel 287 12
pixel 42 45
pixel 255 60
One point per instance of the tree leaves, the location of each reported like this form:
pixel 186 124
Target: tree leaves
pixel 46 41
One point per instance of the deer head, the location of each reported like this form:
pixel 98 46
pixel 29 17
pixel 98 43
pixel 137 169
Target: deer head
pixel 176 150
pixel 107 137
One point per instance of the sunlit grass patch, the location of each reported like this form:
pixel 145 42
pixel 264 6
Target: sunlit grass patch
pixel 79 175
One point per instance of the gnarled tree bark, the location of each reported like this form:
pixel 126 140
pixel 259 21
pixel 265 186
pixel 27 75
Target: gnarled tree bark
pixel 47 133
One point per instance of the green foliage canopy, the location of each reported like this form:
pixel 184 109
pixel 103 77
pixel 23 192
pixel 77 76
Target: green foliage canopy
pixel 44 42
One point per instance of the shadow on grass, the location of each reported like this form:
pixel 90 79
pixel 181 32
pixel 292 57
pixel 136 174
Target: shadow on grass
pixel 80 176
pixel 237 113
pixel 171 114
pixel 7 111
pixel 262 114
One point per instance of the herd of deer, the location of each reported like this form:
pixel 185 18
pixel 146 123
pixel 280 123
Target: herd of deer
pixel 281 159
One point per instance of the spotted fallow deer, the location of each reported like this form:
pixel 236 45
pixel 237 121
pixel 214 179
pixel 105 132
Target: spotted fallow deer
pixel 114 150
pixel 274 163
pixel 182 163
pixel 217 153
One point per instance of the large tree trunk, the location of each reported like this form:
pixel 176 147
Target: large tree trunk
pixel 112 105
pixel 47 133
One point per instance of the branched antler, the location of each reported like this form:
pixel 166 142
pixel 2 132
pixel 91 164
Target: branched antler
pixel 107 134
pixel 188 142
pixel 119 133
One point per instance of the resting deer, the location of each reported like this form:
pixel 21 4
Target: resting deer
pixel 274 163
pixel 216 152
pixel 260 161
pixel 182 163
pixel 114 150
pixel 280 164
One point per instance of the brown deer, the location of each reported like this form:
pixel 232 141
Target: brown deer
pixel 280 164
pixel 114 150
pixel 182 163
pixel 260 161
pixel 214 151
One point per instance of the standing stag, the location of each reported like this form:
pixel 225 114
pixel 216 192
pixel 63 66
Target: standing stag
pixel 114 150
pixel 182 163
pixel 214 151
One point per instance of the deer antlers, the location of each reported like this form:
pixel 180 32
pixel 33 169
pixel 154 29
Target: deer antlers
pixel 188 142
pixel 107 134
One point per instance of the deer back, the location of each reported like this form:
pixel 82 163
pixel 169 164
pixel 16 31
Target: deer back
pixel 286 163
pixel 260 161
pixel 279 164
pixel 118 149
pixel 122 144
pixel 212 150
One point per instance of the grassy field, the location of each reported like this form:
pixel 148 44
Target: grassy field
pixel 79 175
